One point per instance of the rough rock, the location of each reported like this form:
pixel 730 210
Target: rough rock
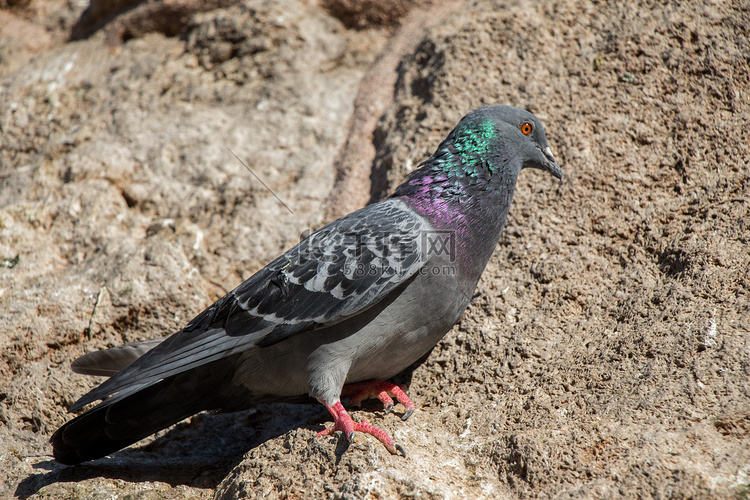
pixel 362 14
pixel 607 351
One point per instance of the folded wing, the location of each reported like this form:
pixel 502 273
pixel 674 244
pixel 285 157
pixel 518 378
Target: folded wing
pixel 336 273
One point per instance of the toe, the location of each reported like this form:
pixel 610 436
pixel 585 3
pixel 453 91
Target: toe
pixel 408 413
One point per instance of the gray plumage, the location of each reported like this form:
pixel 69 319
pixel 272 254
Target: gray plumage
pixel 362 298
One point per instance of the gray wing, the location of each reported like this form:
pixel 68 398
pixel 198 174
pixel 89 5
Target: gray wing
pixel 337 272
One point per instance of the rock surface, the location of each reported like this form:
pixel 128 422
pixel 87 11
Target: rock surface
pixel 607 352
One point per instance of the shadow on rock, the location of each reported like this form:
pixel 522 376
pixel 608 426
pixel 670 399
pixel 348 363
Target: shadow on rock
pixel 199 452
pixel 202 451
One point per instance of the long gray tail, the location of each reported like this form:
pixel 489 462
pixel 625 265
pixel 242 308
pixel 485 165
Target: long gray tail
pixel 134 414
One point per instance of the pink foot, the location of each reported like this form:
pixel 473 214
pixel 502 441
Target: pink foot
pixel 370 389
pixel 344 423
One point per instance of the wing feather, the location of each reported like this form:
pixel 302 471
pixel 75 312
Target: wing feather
pixel 337 272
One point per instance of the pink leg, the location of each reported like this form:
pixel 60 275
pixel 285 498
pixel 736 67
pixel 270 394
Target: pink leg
pixel 344 423
pixel 369 389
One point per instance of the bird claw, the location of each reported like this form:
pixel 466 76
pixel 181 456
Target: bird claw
pixel 359 391
pixel 395 449
pixel 344 423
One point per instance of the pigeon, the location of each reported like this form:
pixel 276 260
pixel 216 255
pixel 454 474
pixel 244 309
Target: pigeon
pixel 351 306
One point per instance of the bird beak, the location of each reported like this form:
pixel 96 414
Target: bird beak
pixel 550 164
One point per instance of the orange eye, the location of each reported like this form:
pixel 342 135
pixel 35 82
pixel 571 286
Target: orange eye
pixel 527 128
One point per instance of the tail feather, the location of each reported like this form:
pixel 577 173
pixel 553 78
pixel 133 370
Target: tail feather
pixel 123 420
pixel 107 362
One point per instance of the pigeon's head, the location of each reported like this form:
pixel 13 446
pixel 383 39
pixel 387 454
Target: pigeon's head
pixel 484 153
pixel 500 137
